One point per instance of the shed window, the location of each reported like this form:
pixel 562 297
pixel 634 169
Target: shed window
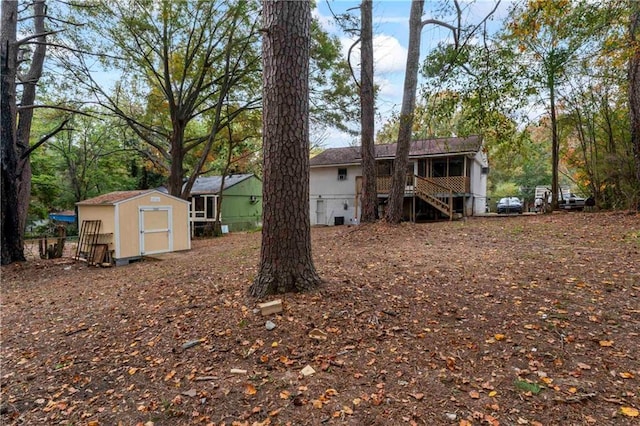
pixel 342 174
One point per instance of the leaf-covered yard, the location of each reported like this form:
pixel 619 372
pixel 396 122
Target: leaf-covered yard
pixel 512 321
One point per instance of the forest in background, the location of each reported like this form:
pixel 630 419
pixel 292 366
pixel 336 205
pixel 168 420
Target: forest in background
pixel 157 93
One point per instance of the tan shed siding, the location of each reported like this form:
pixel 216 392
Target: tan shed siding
pixel 181 229
pixel 128 227
pixel 105 214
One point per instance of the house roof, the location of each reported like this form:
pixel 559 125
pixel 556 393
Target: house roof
pixel 211 184
pixel 419 148
pixel 116 197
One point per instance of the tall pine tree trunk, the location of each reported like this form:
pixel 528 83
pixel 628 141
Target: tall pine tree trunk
pixel 634 90
pixel 367 116
pixel 285 258
pixel 399 181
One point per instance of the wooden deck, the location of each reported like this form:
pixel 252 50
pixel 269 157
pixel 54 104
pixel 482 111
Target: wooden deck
pixel 437 191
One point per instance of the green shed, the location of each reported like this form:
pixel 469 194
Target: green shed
pixel 240 204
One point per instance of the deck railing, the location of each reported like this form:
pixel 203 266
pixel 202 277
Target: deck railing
pixel 457 184
pixel 438 191
pixel 384 184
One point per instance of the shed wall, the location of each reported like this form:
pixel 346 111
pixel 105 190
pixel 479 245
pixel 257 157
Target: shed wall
pixel 105 214
pixel 129 221
pixel 128 227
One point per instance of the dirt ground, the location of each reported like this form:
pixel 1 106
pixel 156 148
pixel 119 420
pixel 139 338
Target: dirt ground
pixel 523 320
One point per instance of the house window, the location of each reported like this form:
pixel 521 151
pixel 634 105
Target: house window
pixel 342 174
pixel 456 166
pixel 211 208
pixel 384 168
pixel 203 206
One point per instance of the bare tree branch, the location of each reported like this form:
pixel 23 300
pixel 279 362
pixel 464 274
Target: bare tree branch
pixel 353 74
pixel 33 36
pixel 46 137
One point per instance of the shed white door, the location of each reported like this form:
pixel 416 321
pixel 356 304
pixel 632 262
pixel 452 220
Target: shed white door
pixel 155 230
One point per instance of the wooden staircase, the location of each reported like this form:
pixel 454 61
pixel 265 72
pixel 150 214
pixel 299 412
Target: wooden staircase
pixel 434 194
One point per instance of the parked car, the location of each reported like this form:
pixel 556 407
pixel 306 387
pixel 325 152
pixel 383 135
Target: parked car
pixel 509 205
pixel 567 200
pixel 572 202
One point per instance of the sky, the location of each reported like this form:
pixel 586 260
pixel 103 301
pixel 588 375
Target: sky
pixel 390 40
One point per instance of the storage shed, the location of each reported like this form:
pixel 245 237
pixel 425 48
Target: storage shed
pixel 126 225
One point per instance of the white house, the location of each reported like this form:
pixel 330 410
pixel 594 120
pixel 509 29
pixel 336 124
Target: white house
pixel 446 177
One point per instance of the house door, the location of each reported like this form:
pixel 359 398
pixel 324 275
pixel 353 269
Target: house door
pixel 321 213
pixel 155 230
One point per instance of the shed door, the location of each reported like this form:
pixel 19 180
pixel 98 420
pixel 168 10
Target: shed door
pixel 155 230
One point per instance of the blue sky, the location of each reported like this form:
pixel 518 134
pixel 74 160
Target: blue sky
pixel 391 30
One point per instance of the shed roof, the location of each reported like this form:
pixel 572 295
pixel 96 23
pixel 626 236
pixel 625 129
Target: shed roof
pixel 419 148
pixel 211 184
pixel 113 198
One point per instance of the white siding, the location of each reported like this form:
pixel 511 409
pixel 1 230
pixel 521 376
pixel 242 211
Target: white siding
pixel 334 194
pixel 478 183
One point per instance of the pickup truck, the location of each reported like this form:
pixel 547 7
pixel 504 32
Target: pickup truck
pixel 567 200
pixel 572 202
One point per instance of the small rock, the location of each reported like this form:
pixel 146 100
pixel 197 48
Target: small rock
pixel 269 325
pixel 191 344
pixel 191 392
pixel 308 371
pixel 451 416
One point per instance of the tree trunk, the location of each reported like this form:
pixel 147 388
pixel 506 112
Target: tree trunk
pixel 367 117
pixel 11 235
pixel 555 143
pixel 29 83
pixel 634 91
pixel 285 257
pixel 176 173
pixel 396 194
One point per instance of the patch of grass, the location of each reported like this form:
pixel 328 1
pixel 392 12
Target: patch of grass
pixel 525 386
pixel 633 237
pixel 517 230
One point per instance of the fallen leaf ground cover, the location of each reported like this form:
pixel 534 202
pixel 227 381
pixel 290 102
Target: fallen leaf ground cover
pixel 489 321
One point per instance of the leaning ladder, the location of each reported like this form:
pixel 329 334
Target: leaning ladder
pixel 87 240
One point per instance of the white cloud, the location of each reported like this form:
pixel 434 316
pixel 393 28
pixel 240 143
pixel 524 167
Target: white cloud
pixel 389 55
pixel 389 88
pixel 326 22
